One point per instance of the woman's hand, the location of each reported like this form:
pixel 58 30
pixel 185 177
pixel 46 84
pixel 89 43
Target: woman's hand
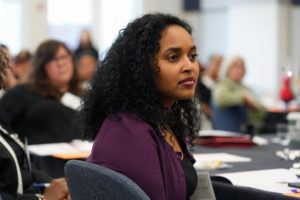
pixel 250 103
pixel 58 190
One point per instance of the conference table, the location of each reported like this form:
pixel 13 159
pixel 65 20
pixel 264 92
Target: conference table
pixel 263 157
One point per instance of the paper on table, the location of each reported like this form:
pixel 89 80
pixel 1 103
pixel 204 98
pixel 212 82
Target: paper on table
pixel 203 159
pixel 76 146
pixel 80 145
pixel 225 157
pixel 221 133
pixel 53 148
pixel 273 180
pixel 204 189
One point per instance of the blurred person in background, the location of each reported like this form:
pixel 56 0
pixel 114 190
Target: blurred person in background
pixel 85 43
pixel 208 76
pixel 86 65
pixel 203 97
pixel 22 64
pixel 230 92
pixel 17 175
pixel 10 78
pixel 211 74
pixel 34 109
pixel 203 93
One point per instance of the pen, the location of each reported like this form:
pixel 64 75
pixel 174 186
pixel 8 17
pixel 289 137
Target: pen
pixel 295 190
pixel 41 185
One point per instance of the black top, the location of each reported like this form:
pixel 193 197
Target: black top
pixel 190 173
pixel 41 120
pixel 8 171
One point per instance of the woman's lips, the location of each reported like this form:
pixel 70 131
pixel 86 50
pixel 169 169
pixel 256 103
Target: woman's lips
pixel 190 81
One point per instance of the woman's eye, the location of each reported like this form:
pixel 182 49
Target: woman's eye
pixel 172 58
pixel 193 56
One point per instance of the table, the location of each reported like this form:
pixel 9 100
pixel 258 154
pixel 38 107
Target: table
pixel 263 157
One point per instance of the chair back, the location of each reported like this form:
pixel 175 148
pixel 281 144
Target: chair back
pixel 91 181
pixel 229 118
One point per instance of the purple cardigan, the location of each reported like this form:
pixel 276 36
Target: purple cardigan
pixel 133 148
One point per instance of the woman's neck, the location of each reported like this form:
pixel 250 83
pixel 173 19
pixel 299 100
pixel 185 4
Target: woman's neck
pixel 64 89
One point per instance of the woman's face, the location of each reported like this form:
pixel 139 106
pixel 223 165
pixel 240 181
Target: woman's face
pixel 86 67
pixel 178 67
pixel 60 69
pixel 237 71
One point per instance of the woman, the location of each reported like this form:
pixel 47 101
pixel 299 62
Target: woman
pixel 85 44
pixel 86 65
pixel 231 92
pixel 17 176
pixel 34 109
pixel 211 74
pixel 139 109
pixel 10 78
pixel 22 64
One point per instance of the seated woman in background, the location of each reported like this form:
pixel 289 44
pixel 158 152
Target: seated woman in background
pixel 17 176
pixel 86 44
pixel 203 96
pixel 230 92
pixel 34 109
pixel 10 79
pixel 139 108
pixel 211 74
pixel 86 65
pixel 22 64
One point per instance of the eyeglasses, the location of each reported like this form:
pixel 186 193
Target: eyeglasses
pixel 61 58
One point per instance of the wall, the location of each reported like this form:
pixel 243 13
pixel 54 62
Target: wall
pixel 295 35
pixel 10 29
pixel 265 32
pixel 213 29
pixel 34 23
pixel 252 34
pixel 257 30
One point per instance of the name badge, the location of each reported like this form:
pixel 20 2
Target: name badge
pixel 204 189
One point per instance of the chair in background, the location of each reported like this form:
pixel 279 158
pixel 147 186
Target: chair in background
pixel 230 118
pixel 91 181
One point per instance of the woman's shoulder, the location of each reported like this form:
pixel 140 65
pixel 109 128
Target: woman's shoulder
pixel 18 93
pixel 18 88
pixel 127 119
pixel 126 125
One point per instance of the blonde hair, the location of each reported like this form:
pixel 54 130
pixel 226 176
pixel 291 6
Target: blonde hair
pixel 231 62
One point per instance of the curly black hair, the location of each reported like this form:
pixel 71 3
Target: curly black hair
pixel 124 81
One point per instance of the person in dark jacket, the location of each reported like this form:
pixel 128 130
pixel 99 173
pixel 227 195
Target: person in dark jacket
pixel 86 44
pixel 17 176
pixel 36 109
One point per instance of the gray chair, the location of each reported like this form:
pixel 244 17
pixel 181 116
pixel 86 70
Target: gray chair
pixel 91 181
